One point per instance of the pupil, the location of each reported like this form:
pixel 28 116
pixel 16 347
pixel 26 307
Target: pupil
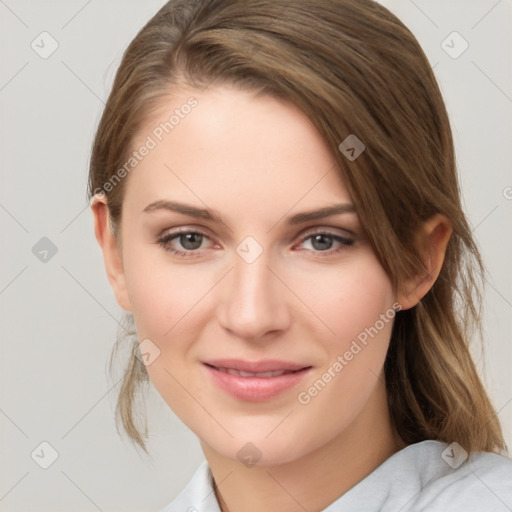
pixel 191 240
pixel 322 242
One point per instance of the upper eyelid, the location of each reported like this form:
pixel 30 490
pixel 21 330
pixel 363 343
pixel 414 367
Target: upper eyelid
pixel 347 240
pixel 329 231
pixel 304 232
pixel 307 233
pixel 171 232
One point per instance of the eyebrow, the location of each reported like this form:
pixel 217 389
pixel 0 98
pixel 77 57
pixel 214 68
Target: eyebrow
pixel 211 215
pixel 326 211
pixel 185 209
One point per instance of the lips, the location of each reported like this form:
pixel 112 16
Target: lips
pixel 255 381
pixel 266 365
pixel 241 373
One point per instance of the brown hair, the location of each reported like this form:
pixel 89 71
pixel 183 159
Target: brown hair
pixel 353 68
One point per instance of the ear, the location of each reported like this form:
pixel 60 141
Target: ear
pixel 432 240
pixel 112 255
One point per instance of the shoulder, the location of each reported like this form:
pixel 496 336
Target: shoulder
pixel 429 476
pixel 432 476
pixel 454 481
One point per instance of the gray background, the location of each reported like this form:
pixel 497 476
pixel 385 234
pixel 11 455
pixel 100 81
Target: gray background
pixel 59 316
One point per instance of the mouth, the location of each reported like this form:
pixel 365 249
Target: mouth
pixel 255 381
pixel 242 373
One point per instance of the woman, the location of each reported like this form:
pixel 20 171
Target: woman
pixel 275 193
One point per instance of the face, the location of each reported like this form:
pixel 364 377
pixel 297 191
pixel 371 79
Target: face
pixel 265 323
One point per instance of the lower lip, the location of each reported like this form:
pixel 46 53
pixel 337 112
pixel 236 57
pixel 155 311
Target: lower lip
pixel 256 389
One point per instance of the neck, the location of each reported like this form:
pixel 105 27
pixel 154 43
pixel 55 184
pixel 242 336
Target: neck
pixel 319 478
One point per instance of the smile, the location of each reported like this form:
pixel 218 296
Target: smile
pixel 255 381
pixel 242 373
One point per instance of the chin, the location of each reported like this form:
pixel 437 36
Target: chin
pixel 253 448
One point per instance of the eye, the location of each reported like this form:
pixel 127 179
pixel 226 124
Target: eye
pixel 324 242
pixel 191 241
pixel 183 243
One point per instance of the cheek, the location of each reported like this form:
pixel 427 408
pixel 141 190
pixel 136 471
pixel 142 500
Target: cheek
pixel 168 304
pixel 348 299
pixel 161 293
pixel 356 304
pixel 171 306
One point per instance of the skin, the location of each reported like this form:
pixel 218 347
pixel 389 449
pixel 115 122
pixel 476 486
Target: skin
pixel 256 161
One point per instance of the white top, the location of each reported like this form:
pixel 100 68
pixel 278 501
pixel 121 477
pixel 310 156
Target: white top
pixel 427 476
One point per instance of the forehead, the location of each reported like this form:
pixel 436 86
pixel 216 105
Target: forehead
pixel 233 150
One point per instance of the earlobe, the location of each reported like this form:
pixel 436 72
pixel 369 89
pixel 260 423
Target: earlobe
pixel 432 240
pixel 112 256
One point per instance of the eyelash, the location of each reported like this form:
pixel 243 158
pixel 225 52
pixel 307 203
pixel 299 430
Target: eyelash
pixel 343 241
pixel 164 241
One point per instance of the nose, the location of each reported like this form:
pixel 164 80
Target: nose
pixel 253 302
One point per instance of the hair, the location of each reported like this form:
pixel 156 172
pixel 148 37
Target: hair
pixel 353 68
